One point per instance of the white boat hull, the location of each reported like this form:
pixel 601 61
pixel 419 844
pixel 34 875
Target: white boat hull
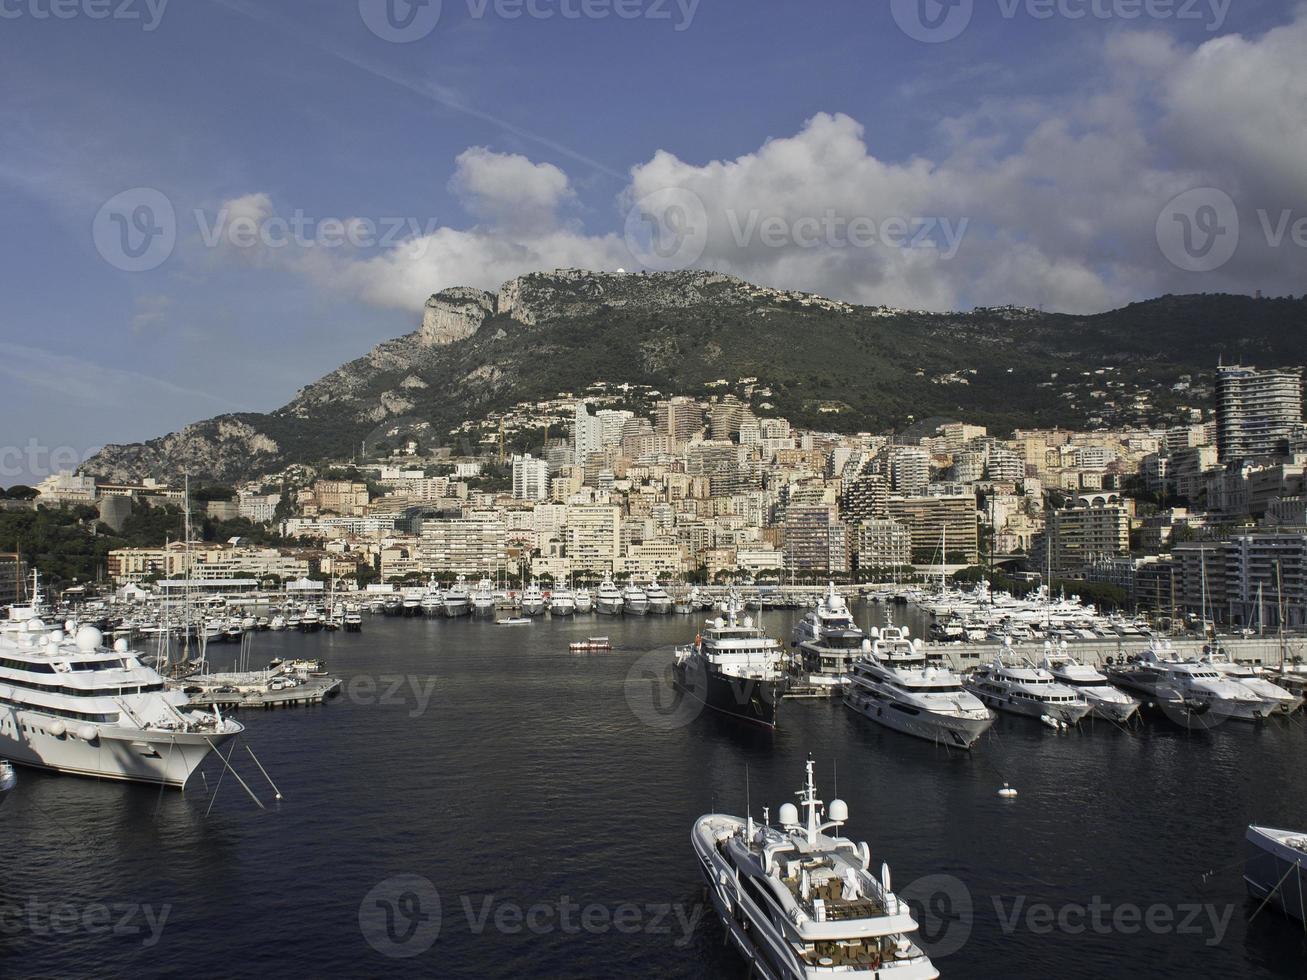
pixel 130 755
pixel 955 732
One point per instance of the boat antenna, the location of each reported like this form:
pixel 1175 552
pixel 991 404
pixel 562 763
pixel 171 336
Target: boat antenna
pixel 748 804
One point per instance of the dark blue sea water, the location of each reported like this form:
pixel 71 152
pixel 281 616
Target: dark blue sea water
pixel 531 819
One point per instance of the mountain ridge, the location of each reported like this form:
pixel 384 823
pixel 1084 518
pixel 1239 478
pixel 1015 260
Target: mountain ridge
pixel 829 363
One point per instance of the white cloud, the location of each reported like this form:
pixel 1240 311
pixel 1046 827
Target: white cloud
pixel 1058 201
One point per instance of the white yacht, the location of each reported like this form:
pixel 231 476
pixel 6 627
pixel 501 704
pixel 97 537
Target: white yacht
pixel 1205 694
pixel 1105 701
pixel 1284 701
pixel 413 600
pixel 562 602
pixel 660 603
pixel 800 902
pixel 457 600
pixel 1274 869
pixel 585 601
pixel 634 600
pixel 353 619
pixel 609 599
pixel 533 601
pixel 1022 688
pixel 310 620
pixel 433 600
pixel 895 685
pixel 8 779
pixel 734 667
pixel 72 705
pixel 483 598
pixel 828 642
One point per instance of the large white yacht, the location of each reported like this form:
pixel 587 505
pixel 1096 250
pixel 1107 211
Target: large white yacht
pixel 660 603
pixel 634 600
pixel 483 598
pixel 533 601
pixel 1207 695
pixel 1105 701
pixel 73 705
pixel 1019 687
pixel 828 641
pixel 433 600
pixel 895 685
pixel 585 600
pixel 609 599
pixel 562 602
pixel 799 901
pixel 458 602
pixel 734 667
pixel 1283 701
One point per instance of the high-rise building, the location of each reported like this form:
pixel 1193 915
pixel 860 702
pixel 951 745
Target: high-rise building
pixel 909 470
pixel 1257 412
pixel 1076 536
pixel 530 478
pixel 935 521
pixel 883 544
pixel 679 417
pixel 815 539
pixel 587 435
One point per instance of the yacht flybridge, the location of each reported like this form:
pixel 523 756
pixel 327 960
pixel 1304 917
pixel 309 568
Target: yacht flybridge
pixel 800 903
pixel 73 705
pixel 829 641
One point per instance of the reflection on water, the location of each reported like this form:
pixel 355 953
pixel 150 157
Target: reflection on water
pixel 526 784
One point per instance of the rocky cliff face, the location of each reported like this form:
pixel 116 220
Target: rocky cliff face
pixel 455 314
pixel 221 449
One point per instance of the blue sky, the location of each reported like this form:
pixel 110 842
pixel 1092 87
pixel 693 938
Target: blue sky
pixel 505 144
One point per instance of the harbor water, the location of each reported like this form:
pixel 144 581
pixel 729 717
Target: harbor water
pixel 481 802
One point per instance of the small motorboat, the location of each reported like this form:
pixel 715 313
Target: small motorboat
pixel 513 621
pixel 594 643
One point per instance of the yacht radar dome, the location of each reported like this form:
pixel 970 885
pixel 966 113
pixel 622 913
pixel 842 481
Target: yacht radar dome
pixel 89 639
pixel 789 815
pixel 838 811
